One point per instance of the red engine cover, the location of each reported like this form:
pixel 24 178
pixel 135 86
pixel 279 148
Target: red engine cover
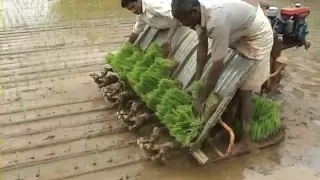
pixel 301 11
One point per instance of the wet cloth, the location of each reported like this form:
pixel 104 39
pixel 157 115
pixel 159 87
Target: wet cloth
pixel 223 23
pixel 246 29
pixel 256 43
pixel 155 13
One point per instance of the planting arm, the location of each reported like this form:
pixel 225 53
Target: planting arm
pixel 137 29
pixel 219 50
pixel 166 46
pixel 133 37
pixel 202 52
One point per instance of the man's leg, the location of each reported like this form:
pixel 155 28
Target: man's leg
pixel 246 118
pixel 260 40
pixel 246 115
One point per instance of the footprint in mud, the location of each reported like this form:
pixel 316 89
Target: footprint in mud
pixel 50 154
pixel 49 137
pixel 125 177
pixel 110 160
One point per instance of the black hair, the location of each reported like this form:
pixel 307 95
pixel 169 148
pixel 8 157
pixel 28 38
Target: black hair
pixel 124 3
pixel 180 7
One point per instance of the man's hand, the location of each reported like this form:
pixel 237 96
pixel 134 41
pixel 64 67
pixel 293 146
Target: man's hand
pixel 198 107
pixel 166 48
pixel 133 37
pixel 202 54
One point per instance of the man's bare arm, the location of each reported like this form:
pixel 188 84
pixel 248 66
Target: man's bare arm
pixel 137 29
pixel 133 37
pixel 219 50
pixel 174 24
pixel 202 54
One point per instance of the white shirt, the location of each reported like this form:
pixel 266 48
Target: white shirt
pixel 155 13
pixel 224 21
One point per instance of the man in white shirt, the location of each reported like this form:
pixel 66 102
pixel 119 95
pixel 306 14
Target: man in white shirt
pixel 239 24
pixel 157 14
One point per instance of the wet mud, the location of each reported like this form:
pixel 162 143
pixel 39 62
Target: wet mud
pixel 55 124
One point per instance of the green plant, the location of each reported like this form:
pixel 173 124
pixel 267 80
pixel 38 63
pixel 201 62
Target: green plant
pixel 142 66
pixel 154 97
pixel 150 79
pixel 149 75
pixel 265 120
pixel 211 103
pixel 124 60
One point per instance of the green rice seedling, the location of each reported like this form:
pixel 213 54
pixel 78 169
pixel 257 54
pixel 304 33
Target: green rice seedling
pixel 154 97
pixel 265 120
pixel 172 99
pixel 184 125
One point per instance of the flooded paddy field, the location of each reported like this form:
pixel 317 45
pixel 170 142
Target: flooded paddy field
pixel 54 123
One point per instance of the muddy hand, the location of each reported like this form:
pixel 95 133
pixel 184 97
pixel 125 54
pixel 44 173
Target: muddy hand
pixel 166 48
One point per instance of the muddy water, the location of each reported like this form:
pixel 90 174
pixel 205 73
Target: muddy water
pixel 298 157
pixel 84 9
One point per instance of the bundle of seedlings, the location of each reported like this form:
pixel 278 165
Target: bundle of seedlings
pixel 124 60
pixel 175 111
pixel 183 125
pixel 154 97
pixel 140 67
pixel 149 80
pixel 265 122
pixel 211 102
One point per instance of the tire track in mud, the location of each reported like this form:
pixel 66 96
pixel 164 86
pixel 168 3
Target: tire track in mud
pixel 78 166
pixel 32 128
pixel 40 75
pixel 78 25
pixel 21 30
pixel 61 89
pixel 45 68
pixel 54 122
pixel 61 151
pixel 9 65
pixel 64 46
pixel 53 112
pixel 47 80
pixel 52 42
pixel 60 135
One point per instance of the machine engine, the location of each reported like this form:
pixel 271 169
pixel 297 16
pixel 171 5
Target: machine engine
pixel 290 23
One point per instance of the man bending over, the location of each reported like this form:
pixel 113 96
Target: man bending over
pixel 229 23
pixel 155 13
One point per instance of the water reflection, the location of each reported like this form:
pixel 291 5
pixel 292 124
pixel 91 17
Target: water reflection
pixel 232 169
pixel 27 13
pixel 67 10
